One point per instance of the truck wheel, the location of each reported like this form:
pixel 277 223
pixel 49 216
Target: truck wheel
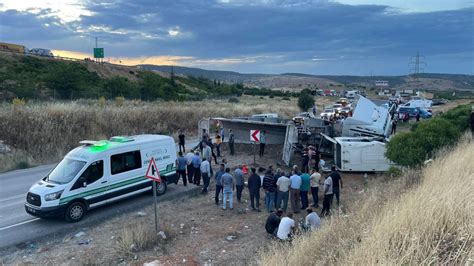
pixel 75 212
pixel 161 188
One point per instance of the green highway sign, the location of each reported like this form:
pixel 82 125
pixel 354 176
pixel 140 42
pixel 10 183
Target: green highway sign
pixel 98 52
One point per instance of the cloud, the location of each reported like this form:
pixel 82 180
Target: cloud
pixel 311 36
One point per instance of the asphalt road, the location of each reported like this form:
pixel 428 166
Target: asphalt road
pixel 16 226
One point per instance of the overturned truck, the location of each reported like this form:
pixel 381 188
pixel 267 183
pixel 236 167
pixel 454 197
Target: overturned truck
pixel 356 143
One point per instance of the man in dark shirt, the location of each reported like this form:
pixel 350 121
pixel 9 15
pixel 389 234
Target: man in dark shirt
pixel 181 164
pixel 254 184
pixel 181 140
pixel 231 142
pixel 336 180
pixel 305 161
pixel 218 178
pixel 273 221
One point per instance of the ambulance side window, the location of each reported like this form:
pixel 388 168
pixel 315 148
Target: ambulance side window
pixel 124 162
pixel 94 172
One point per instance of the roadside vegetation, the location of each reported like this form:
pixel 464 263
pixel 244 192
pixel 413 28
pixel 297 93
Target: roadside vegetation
pixel 46 131
pixel 426 137
pixel 423 217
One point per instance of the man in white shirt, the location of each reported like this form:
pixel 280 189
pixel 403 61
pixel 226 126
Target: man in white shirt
pixel 283 184
pixel 328 194
pixel 286 227
pixel 206 174
pixel 295 184
pixel 314 182
pixel 312 220
pixel 189 167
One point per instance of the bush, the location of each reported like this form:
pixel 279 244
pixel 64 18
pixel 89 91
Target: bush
pixel 394 172
pixel 305 101
pixel 119 101
pixel 102 101
pixel 413 148
pixel 285 99
pixel 233 100
pixel 459 116
pixel 17 102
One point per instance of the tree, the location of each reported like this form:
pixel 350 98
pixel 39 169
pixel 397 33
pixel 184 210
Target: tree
pixel 305 101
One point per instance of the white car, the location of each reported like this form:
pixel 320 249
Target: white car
pixel 337 107
pixel 328 114
pixel 101 172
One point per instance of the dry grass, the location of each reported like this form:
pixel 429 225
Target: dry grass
pixel 15 160
pixel 142 236
pixel 47 131
pixel 401 221
pixel 136 238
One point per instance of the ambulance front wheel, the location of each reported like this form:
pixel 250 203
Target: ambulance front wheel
pixel 75 212
pixel 161 188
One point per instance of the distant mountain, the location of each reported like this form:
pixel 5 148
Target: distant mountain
pixel 297 81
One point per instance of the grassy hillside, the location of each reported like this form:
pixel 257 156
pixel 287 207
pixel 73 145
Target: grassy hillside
pixel 33 77
pixel 420 218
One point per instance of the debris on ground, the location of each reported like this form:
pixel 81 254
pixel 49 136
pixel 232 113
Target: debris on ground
pixel 80 234
pixel 162 234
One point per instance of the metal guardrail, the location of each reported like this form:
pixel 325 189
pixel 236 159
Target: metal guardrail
pixel 65 58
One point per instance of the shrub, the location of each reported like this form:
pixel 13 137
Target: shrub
pixel 305 101
pixel 394 172
pixel 119 101
pixel 285 99
pixel 17 102
pixel 102 101
pixel 413 148
pixel 22 165
pixel 459 116
pixel 233 100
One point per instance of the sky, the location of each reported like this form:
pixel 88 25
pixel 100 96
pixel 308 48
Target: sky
pixel 322 37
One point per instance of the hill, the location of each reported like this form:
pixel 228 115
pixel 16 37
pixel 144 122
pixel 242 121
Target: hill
pixel 425 81
pixel 43 78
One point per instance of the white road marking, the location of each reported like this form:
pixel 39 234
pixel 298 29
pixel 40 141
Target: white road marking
pixel 13 197
pixel 14 225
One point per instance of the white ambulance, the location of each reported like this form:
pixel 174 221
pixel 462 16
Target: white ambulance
pixel 100 172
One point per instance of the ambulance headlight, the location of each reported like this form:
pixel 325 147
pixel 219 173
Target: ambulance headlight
pixel 53 196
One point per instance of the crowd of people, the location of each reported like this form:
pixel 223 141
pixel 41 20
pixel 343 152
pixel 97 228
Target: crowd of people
pixel 279 188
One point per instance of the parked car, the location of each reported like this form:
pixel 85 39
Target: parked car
pixel 337 107
pixel 328 114
pixel 413 111
pixel 299 118
pixel 41 52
